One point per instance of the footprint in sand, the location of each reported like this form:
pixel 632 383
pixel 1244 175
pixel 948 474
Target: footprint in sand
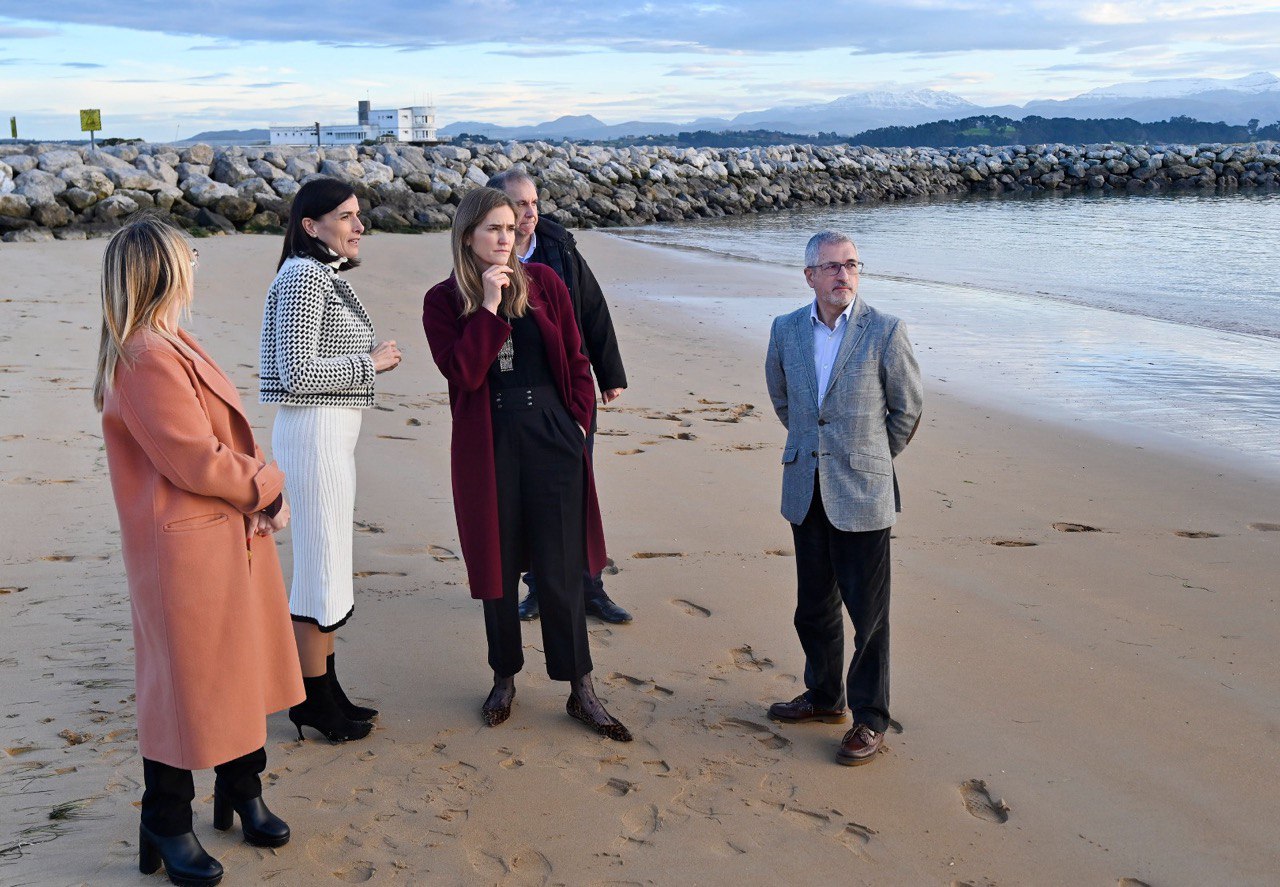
pixel 770 739
pixel 368 527
pixel 979 803
pixel 657 768
pixel 1132 882
pixel 642 555
pixel 1265 527
pixel 413 423
pixel 365 574
pixel 13 589
pixel 440 553
pixel 631 452
pixel 745 658
pixel 612 433
pixel 1067 527
pixel 394 437
pixel 1196 534
pixel 780 552
pixel 691 608
pixel 617 787
pixel 1011 543
pixel 358 873
pixel 681 435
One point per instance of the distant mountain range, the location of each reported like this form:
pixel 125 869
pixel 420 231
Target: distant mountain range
pixel 1237 101
pixel 1232 101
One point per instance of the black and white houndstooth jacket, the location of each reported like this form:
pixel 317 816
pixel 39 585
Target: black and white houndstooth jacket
pixel 316 339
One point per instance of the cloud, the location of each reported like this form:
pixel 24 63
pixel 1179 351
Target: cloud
pixel 15 32
pixel 81 65
pixel 665 26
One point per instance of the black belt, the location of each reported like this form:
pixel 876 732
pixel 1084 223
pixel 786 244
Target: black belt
pixel 537 398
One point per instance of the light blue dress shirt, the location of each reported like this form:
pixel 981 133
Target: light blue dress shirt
pixel 826 344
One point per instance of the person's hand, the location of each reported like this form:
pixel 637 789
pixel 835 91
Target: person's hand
pixel 281 520
pixel 386 356
pixel 608 395
pixel 257 525
pixel 496 278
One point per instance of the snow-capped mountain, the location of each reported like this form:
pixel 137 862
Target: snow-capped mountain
pixel 1184 86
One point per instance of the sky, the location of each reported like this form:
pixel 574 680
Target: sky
pixel 165 70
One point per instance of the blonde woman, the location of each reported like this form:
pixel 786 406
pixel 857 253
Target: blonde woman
pixel 197 504
pixel 505 338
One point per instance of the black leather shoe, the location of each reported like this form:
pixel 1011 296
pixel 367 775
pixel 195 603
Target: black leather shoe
pixel 801 710
pixel 349 709
pixel 602 607
pixel 185 861
pixel 528 608
pixel 320 710
pixel 261 827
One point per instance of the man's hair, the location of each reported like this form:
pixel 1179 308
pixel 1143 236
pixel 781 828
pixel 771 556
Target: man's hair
pixel 821 239
pixel 513 176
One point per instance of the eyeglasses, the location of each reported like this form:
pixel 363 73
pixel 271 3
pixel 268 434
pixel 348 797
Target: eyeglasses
pixel 831 269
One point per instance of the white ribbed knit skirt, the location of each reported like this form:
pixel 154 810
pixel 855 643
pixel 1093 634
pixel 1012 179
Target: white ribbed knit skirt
pixel 316 449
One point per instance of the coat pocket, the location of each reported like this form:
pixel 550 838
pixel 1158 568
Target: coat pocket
pixel 869 464
pixel 199 522
pixel 789 455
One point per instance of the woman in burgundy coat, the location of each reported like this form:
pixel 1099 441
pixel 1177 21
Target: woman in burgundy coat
pixel 505 338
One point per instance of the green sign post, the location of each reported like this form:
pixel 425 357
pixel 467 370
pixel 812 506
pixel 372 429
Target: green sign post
pixel 13 127
pixel 91 122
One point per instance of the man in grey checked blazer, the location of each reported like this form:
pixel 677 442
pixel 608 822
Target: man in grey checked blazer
pixel 846 385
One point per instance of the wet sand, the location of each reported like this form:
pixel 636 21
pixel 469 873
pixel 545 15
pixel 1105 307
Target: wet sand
pixel 1083 631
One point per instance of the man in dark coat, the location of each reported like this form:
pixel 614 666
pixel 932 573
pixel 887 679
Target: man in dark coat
pixel 544 241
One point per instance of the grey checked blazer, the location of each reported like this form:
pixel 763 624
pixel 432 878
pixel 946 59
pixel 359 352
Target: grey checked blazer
pixel 870 411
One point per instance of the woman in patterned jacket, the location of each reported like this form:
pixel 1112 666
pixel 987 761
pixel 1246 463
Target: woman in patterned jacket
pixel 318 363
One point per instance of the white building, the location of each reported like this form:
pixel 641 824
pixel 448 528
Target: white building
pixel 413 124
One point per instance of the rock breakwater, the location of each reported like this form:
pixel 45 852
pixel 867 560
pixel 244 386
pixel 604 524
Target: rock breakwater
pixel 52 191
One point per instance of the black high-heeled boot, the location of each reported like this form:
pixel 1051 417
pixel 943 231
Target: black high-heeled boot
pixel 584 706
pixel 320 711
pixel 185 861
pixel 261 827
pixel 349 708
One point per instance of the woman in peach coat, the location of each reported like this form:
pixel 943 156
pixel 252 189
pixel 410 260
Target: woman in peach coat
pixel 198 504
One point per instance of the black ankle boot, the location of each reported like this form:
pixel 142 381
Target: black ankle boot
pixel 320 710
pixel 349 708
pixel 585 707
pixel 185 861
pixel 261 827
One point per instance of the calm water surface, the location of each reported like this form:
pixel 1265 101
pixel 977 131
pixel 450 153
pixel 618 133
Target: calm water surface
pixel 1151 314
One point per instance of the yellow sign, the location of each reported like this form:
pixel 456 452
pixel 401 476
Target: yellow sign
pixel 90 120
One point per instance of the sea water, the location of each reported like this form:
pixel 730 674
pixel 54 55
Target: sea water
pixel 1133 315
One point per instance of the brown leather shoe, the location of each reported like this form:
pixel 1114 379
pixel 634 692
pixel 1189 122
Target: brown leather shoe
pixel 859 746
pixel 801 710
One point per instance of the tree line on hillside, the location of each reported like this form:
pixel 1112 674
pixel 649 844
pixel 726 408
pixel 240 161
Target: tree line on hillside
pixel 979 130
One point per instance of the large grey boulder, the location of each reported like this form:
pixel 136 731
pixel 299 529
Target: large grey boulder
pixel 101 158
pixel 57 160
pixel 161 172
pixel 89 178
pixel 264 170
pixel 15 205
pixel 19 163
pixel 52 215
pixel 115 208
pixel 375 172
pixel 285 187
pixel 187 170
pixel 477 176
pixel 28 235
pixel 301 166
pixel 198 153
pixel 38 186
pixel 206 218
pixel 231 170
pixel 79 199
pixel 341 153
pixel 133 179
pixel 204 192
pixel 235 208
pixel 346 170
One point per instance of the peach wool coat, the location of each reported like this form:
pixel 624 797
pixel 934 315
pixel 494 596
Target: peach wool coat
pixel 212 636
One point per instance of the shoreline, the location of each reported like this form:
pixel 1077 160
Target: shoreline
pixel 1076 676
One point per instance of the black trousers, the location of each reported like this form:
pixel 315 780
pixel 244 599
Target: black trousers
pixel 592 584
pixel 168 791
pixel 541 483
pixel 835 567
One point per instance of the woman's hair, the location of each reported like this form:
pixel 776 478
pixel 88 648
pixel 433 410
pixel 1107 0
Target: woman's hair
pixel 466 267
pixel 146 271
pixel 313 200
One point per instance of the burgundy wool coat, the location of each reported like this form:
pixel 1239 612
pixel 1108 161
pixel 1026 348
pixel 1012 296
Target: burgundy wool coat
pixel 464 348
pixel 213 642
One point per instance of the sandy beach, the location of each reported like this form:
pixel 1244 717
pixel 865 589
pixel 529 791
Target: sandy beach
pixel 1083 658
